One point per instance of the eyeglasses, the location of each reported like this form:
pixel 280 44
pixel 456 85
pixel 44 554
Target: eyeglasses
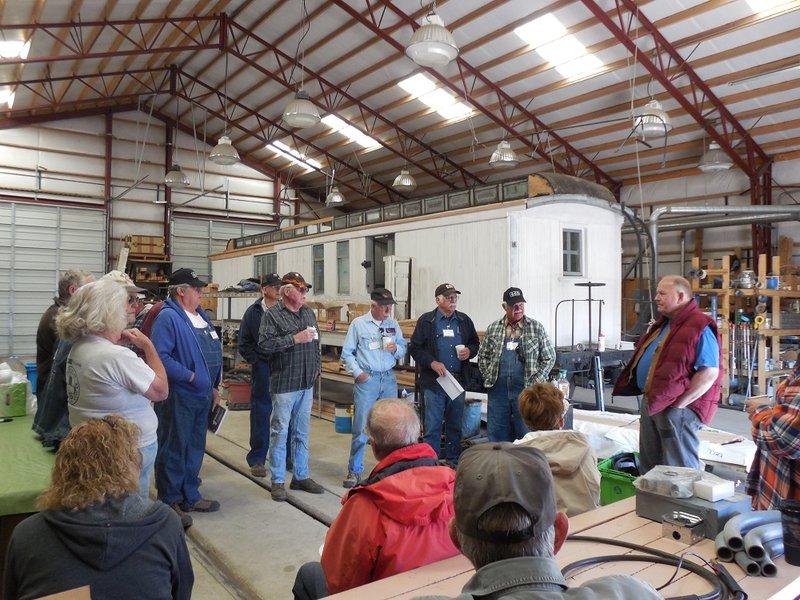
pixel 302 290
pixel 451 297
pixel 132 300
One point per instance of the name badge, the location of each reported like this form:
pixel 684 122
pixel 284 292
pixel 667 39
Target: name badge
pixel 213 334
pixel 511 345
pixel 448 333
pixel 374 345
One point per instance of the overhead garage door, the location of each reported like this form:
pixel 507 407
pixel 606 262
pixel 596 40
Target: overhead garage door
pixel 36 244
pixel 194 239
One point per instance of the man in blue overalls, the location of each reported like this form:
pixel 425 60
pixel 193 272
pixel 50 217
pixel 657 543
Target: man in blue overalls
pixel 442 340
pixel 373 345
pixel 515 353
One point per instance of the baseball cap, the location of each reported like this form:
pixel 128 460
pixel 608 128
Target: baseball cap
pixel 497 473
pixel 268 280
pixel 294 278
pixel 382 297
pixel 186 276
pixel 445 289
pixel 123 279
pixel 513 295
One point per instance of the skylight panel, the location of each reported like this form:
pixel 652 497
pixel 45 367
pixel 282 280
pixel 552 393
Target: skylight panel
pixel 353 134
pixel 564 51
pixel 293 155
pixel 7 97
pixel 14 48
pixel 759 6
pixel 443 102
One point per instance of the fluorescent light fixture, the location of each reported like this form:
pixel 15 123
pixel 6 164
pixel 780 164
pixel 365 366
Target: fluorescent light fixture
pixel 764 5
pixel 7 97
pixel 432 44
pixel 14 49
pixel 565 52
pixel 424 89
pixel 540 31
pixel 293 155
pixel 350 132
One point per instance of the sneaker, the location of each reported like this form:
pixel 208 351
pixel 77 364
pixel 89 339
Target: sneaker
pixel 204 505
pixel 186 520
pixel 306 485
pixel 278 492
pixel 352 480
pixel 258 470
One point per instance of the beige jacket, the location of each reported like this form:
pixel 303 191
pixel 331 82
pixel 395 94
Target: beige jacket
pixel 574 466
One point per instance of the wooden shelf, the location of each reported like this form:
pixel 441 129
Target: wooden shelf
pixel 778 332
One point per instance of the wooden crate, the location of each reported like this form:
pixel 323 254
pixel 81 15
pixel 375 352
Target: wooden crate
pixel 148 245
pixel 210 304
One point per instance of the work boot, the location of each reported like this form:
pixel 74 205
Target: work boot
pixel 352 480
pixel 278 492
pixel 186 520
pixel 306 485
pixel 204 505
pixel 258 470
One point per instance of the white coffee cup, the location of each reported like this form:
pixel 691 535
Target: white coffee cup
pixel 459 348
pixel 385 341
pixel 313 330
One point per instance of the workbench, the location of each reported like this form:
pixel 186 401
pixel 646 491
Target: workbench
pixel 618 520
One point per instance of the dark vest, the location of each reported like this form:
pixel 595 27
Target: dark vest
pixel 674 364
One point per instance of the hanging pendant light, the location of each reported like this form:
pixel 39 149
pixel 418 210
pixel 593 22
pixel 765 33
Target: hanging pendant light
pixel 224 153
pixel 432 44
pixel 301 112
pixel 334 197
pixel 404 182
pixel 652 120
pixel 504 156
pixel 714 159
pixel 176 178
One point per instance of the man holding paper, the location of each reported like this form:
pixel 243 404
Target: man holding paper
pixel 443 340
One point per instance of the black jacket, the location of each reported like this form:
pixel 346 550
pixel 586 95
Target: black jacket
pixel 423 344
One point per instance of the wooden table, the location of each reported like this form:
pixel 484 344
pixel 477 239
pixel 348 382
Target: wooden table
pixel 617 520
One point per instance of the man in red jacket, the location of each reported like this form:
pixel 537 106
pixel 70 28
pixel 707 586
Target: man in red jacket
pixel 395 520
pixel 677 367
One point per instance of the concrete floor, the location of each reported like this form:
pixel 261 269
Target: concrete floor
pixel 252 547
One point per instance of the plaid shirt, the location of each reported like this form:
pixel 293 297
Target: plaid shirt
pixel 292 367
pixel 775 473
pixel 534 345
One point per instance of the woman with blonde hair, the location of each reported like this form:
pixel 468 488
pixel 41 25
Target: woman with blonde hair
pixel 104 377
pixel 95 529
pixel 569 453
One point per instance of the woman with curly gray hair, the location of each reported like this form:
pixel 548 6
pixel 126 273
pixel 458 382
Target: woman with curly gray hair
pixel 104 377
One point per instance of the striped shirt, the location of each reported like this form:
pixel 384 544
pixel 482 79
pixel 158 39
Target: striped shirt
pixel 775 473
pixel 292 367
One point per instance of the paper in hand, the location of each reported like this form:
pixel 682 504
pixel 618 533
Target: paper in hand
pixel 450 385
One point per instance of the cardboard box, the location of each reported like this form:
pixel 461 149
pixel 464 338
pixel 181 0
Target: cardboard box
pixel 13 399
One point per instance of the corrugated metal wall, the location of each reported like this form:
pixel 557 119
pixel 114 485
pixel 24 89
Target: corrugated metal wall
pixel 36 244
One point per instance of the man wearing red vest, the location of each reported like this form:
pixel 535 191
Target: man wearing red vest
pixel 676 367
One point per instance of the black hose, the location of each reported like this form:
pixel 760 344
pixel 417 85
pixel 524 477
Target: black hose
pixel 657 556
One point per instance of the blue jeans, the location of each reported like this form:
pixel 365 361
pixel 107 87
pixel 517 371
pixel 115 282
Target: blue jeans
pixel 379 385
pixel 668 438
pixel 294 407
pixel 182 426
pixel 260 412
pixel 148 460
pixel 503 420
pixel 439 406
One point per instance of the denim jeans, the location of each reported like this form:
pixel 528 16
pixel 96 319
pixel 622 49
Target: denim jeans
pixel 148 460
pixel 438 407
pixel 379 385
pixel 260 413
pixel 503 420
pixel 668 438
pixel 295 408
